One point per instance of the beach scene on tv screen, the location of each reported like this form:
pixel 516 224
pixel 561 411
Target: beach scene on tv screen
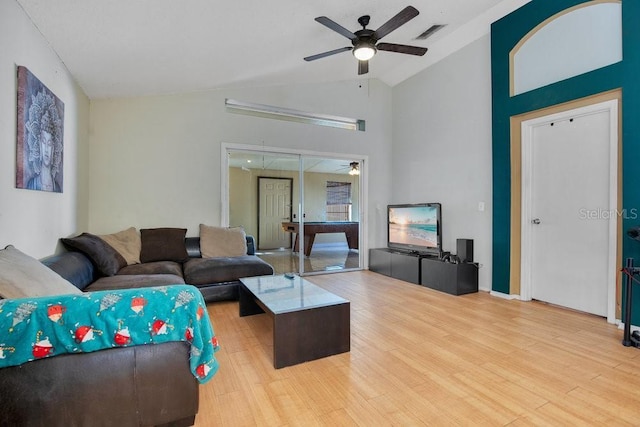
pixel 416 225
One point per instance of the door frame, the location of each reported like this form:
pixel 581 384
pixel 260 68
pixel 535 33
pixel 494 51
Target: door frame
pixel 260 177
pixel 527 126
pixel 363 237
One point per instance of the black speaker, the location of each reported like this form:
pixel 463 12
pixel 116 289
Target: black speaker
pixel 464 248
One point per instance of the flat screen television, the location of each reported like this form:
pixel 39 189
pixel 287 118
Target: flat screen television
pixel 415 228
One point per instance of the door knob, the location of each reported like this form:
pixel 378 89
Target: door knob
pixel 535 221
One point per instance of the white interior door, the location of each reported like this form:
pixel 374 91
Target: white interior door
pixel 569 208
pixel 274 208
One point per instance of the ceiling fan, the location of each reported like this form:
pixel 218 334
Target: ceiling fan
pixel 365 41
pixel 354 168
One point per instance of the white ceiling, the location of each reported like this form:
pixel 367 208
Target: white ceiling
pixel 124 48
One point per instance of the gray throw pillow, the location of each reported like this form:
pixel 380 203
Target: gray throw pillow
pixel 222 241
pixel 22 276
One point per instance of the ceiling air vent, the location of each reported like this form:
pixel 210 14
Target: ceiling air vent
pixel 432 29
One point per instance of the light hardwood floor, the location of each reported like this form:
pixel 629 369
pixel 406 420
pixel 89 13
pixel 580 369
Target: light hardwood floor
pixel 421 357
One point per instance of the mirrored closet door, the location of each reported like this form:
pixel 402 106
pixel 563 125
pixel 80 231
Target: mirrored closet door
pixel 302 210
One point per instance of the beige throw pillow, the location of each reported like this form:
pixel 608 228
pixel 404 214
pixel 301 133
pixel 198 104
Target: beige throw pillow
pixel 22 276
pixel 127 243
pixel 222 242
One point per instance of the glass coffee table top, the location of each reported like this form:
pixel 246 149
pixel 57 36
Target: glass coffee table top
pixel 282 294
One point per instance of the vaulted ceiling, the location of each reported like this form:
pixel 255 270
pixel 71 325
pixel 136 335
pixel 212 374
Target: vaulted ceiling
pixel 123 48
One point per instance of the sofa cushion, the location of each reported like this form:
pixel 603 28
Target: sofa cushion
pixel 106 259
pixel 156 267
pixel 22 276
pixel 72 266
pixel 125 281
pixel 127 243
pixel 222 241
pixel 163 244
pixel 203 271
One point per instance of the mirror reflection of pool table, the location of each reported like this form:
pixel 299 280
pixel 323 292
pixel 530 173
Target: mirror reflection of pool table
pixel 350 229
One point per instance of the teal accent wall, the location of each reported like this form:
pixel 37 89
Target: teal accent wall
pixel 505 34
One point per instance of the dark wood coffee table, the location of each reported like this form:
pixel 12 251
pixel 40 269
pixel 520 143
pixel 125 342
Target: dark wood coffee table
pixel 308 322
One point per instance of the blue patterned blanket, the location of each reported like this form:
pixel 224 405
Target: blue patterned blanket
pixel 34 328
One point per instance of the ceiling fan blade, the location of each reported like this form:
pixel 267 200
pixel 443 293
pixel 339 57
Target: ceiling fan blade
pixel 402 48
pixel 363 67
pixel 404 16
pixel 336 27
pixel 329 53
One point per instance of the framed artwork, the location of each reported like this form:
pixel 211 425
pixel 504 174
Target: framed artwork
pixel 39 144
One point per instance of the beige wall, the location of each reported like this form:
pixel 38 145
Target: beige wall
pixel 243 202
pixel 155 161
pixel 243 198
pixel 442 147
pixel 33 221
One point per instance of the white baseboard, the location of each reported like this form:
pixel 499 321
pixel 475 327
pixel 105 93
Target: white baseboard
pixel 620 324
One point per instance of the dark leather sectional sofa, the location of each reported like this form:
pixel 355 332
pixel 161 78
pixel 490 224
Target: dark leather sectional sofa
pixel 216 278
pixel 147 385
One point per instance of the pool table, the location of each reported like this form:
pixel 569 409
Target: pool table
pixel 350 229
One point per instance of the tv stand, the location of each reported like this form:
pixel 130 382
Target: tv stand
pixel 397 264
pixel 425 270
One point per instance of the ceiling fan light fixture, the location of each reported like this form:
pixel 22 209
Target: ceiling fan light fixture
pixel 365 41
pixel 354 168
pixel 364 51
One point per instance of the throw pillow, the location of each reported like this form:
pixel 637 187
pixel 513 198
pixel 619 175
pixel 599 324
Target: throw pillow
pixel 163 244
pixel 22 276
pixel 127 243
pixel 106 259
pixel 222 242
